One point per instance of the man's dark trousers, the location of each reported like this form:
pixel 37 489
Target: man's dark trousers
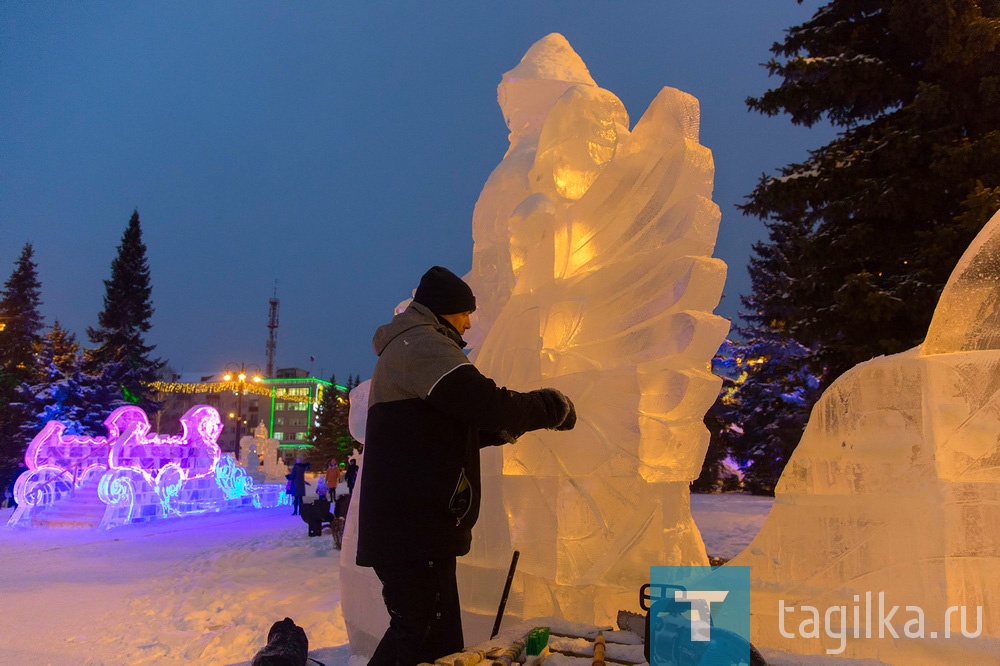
pixel 425 618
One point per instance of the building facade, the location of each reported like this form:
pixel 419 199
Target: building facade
pixel 286 404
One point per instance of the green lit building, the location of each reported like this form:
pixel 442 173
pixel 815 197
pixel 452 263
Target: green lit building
pixel 294 399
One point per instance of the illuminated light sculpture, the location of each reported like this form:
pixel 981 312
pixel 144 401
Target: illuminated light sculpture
pixel 133 475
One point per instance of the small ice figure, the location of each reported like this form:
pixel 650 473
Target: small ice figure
pixel 252 459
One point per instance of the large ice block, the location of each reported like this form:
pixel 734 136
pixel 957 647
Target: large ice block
pixel 593 274
pixel 894 490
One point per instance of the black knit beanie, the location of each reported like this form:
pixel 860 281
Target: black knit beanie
pixel 444 293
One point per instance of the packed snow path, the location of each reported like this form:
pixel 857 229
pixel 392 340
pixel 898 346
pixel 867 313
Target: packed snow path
pixel 206 589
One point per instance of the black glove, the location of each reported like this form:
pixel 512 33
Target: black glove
pixel 509 436
pixel 559 407
pixel 286 644
pixel 570 419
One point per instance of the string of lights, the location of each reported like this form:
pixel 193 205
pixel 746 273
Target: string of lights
pixel 223 387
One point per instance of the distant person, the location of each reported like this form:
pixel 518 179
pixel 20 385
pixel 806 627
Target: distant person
pixel 341 503
pixel 429 412
pixel 334 474
pixel 297 476
pixel 342 494
pixel 352 474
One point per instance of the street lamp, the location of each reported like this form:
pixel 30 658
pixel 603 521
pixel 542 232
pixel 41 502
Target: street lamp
pixel 239 374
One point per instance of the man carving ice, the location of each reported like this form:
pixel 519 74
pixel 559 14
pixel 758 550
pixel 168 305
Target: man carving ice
pixel 429 413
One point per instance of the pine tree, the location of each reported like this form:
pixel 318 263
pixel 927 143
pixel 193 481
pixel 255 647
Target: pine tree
pixel 65 350
pixel 767 406
pixel 346 444
pixel 331 437
pixel 20 339
pixel 865 232
pixel 720 419
pixel 325 435
pixel 60 393
pixel 20 318
pixel 120 364
pixel 100 395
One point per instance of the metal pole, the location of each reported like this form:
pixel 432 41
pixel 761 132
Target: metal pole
pixel 506 591
pixel 239 419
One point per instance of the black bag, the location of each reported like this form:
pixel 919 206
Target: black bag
pixel 316 515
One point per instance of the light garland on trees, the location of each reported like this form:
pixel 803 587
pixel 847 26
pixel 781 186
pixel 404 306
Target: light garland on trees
pixel 209 387
pixel 223 387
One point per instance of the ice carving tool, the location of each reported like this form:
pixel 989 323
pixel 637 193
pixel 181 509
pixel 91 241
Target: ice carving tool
pixel 506 591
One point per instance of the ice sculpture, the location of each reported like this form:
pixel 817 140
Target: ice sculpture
pixel 592 261
pixel 365 616
pixel 132 475
pixel 593 274
pixel 271 466
pixel 892 498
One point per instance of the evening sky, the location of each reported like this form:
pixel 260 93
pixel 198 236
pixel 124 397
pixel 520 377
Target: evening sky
pixel 336 147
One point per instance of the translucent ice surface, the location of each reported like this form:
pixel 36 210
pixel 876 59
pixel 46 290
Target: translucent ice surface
pixel 895 490
pixel 593 273
pixel 592 261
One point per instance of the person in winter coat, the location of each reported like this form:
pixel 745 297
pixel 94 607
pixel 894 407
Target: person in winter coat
pixel 334 472
pixel 430 409
pixel 352 474
pixel 297 476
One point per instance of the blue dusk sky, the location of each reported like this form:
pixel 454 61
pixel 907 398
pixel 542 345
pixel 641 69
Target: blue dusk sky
pixel 336 147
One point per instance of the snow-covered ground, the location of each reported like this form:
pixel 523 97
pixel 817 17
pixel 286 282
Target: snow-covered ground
pixel 205 590
pixel 728 522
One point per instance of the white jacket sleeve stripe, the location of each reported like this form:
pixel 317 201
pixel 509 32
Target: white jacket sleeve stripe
pixel 445 375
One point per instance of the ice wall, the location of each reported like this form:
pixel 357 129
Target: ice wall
pixel 895 489
pixel 593 273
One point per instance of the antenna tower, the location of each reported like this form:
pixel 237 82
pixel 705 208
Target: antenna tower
pixel 272 333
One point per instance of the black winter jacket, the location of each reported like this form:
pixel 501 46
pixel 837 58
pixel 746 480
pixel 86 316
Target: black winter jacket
pixel 429 412
pixel 297 476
